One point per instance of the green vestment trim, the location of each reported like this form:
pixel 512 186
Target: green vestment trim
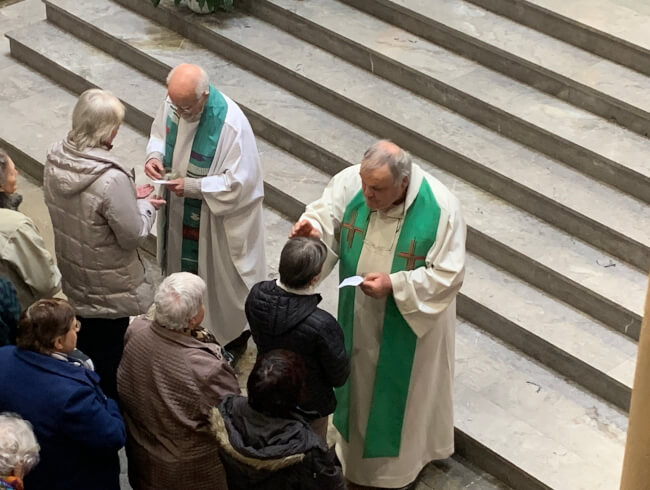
pixel 397 350
pixel 204 147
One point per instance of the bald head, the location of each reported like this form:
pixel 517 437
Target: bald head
pixel 188 87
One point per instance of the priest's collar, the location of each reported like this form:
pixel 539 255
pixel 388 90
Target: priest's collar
pixel 395 211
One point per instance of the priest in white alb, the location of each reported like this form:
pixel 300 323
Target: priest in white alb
pixel 212 225
pixel 402 230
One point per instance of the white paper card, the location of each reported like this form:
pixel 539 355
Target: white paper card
pixel 163 182
pixel 351 281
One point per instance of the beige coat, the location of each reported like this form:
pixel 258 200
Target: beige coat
pixel 168 382
pixel 98 225
pixel 24 259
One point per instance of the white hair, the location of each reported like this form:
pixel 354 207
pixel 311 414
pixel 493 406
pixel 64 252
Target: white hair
pixel 377 156
pixel 179 298
pixel 18 446
pixel 202 84
pixel 96 115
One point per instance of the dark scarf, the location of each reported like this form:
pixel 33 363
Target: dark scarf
pixel 202 335
pixel 10 201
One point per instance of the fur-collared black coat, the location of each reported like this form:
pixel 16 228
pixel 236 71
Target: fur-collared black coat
pixel 282 320
pixel 269 453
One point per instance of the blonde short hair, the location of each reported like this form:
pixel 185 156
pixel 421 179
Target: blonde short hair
pixel 95 116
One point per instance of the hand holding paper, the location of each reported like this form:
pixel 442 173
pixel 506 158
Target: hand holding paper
pixel 351 281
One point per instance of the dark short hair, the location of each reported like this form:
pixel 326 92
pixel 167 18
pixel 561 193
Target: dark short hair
pixel 276 382
pixel 42 323
pixel 4 163
pixel 301 260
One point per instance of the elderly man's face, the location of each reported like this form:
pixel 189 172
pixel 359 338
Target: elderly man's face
pixel 379 189
pixel 188 106
pixel 9 185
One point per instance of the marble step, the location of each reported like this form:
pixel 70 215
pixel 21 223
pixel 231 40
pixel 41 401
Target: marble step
pixel 572 135
pixel 569 432
pixel 559 194
pixel 614 29
pixel 542 255
pixel 552 332
pixel 581 78
pixel 492 301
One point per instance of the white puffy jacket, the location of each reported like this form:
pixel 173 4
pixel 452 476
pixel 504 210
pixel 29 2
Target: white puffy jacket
pixel 98 225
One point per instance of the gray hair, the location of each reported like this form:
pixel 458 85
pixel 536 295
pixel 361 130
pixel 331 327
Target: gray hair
pixel 95 116
pixel 4 163
pixel 18 446
pixel 202 84
pixel 301 260
pixel 377 156
pixel 179 298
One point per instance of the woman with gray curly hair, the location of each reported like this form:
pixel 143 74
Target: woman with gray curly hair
pixel 24 260
pixel 18 450
pixel 99 220
pixel 172 372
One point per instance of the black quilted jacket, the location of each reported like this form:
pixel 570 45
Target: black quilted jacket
pixel 283 320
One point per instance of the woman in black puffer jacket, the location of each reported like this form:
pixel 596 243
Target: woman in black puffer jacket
pixel 284 314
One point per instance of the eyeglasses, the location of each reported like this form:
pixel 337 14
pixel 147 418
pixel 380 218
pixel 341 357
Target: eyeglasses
pixel 189 109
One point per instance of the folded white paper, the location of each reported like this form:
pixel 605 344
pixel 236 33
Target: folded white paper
pixel 351 281
pixel 163 182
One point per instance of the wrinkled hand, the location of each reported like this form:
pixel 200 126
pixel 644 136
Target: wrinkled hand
pixel 304 228
pixel 177 186
pixel 143 191
pixel 376 285
pixel 156 201
pixel 154 169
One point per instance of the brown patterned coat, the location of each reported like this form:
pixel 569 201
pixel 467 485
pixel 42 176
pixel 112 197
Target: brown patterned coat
pixel 168 382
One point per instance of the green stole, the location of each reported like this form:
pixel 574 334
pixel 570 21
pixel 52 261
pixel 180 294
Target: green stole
pixel 397 350
pixel 204 147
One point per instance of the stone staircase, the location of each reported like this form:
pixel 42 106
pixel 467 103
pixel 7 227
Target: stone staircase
pixel 543 143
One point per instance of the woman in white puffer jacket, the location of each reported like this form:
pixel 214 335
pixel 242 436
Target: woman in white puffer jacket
pixel 99 222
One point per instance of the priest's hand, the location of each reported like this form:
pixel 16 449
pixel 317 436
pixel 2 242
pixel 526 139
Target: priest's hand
pixel 304 228
pixel 143 191
pixel 376 285
pixel 177 186
pixel 154 169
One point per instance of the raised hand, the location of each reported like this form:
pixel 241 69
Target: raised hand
pixel 143 191
pixel 304 228
pixel 154 169
pixel 156 201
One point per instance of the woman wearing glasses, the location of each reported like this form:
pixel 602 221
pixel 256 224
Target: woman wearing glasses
pixel 51 384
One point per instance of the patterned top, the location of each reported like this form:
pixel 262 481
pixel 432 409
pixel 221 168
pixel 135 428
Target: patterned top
pixel 9 312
